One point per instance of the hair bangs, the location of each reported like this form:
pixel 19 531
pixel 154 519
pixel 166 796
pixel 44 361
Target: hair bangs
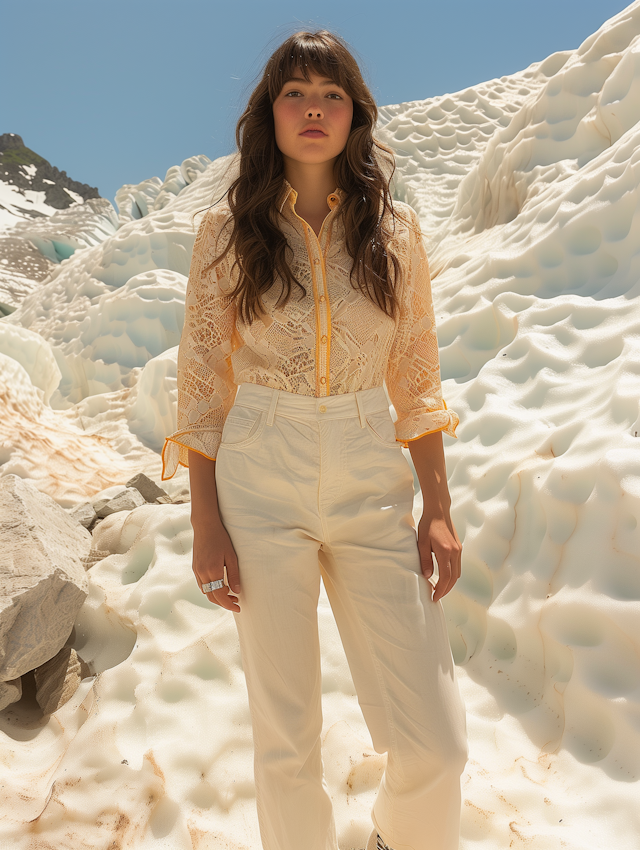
pixel 306 54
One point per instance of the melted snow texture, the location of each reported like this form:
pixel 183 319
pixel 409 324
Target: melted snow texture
pixel 528 189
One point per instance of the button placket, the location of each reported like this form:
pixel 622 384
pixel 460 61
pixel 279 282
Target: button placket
pixel 326 311
pixel 314 247
pixel 320 293
pixel 323 329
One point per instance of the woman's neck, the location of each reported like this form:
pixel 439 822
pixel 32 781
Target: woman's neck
pixel 313 184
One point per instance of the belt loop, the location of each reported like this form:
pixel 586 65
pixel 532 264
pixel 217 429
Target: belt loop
pixel 360 404
pixel 272 406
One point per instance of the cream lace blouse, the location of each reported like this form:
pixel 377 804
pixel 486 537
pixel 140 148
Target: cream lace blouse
pixel 334 340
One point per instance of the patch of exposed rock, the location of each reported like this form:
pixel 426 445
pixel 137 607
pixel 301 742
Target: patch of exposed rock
pixel 45 553
pixel 139 490
pixel 42 583
pixel 57 679
pixel 25 169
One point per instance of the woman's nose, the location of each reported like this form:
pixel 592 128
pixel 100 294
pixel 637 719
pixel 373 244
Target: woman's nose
pixel 314 112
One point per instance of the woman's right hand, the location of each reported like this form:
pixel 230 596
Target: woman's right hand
pixel 212 552
pixel 212 546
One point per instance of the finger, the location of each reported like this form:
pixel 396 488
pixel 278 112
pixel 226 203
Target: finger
pixel 426 563
pixel 206 579
pixel 232 576
pixel 428 567
pixel 449 575
pixel 443 559
pixel 443 586
pixel 442 578
pixel 222 598
pixel 456 563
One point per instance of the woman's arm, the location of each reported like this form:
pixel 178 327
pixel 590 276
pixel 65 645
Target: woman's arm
pixel 436 532
pixel 206 386
pixel 212 547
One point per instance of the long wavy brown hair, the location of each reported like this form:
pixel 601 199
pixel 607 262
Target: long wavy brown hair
pixel 363 171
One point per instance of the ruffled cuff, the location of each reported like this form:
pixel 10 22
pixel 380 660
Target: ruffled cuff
pixel 418 423
pixel 175 451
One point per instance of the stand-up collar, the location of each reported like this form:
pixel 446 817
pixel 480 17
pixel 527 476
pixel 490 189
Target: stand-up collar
pixel 288 193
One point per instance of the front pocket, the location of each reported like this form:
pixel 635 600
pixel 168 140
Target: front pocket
pixel 242 426
pixel 381 425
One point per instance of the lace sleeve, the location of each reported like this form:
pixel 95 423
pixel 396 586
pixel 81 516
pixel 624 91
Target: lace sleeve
pixel 413 369
pixel 206 388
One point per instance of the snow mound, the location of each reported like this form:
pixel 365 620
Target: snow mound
pixel 137 200
pixel 152 408
pixel 438 141
pixel 34 354
pixel 60 235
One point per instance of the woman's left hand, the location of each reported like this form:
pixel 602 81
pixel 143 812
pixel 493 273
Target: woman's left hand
pixel 437 535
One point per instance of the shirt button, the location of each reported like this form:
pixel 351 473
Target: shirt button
pixel 323 340
pixel 323 408
pixel 322 298
pixel 323 380
pixel 316 260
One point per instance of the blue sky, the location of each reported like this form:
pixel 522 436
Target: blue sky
pixel 115 92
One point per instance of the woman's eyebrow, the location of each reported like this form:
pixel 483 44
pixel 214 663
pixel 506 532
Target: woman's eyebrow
pixel 325 82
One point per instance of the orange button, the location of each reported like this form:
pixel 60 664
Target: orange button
pixel 322 298
pixel 316 260
pixel 323 340
pixel 323 380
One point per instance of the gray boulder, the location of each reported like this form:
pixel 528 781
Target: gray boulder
pixel 10 692
pixel 128 499
pixel 146 487
pixel 42 579
pixel 84 514
pixel 57 680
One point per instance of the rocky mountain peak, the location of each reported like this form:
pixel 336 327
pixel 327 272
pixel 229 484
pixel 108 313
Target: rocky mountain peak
pixel 26 170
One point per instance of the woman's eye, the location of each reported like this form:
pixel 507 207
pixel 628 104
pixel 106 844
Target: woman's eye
pixel 296 93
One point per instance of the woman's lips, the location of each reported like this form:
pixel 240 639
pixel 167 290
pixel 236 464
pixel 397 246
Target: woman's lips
pixel 313 134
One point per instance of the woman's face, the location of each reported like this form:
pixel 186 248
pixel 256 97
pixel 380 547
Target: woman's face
pixel 312 119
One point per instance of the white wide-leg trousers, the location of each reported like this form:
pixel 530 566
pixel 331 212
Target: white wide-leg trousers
pixel 318 487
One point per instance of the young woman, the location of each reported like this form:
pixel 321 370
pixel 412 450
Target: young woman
pixel 308 289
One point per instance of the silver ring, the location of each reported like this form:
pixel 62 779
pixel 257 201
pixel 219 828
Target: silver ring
pixel 212 585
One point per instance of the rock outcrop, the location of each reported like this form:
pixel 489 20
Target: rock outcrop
pixel 138 491
pixel 10 692
pixel 57 679
pixel 42 579
pixel 146 487
pixel 128 499
pixel 24 168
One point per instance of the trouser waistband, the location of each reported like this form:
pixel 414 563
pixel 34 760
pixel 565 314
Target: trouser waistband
pixel 296 406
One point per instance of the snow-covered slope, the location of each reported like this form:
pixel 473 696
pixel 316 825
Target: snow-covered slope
pixel 32 191
pixel 527 188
